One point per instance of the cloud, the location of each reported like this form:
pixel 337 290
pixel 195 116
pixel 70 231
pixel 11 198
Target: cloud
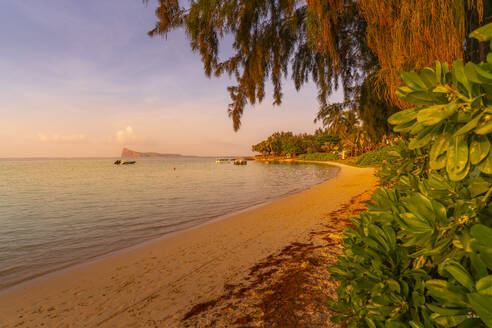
pixel 57 138
pixel 125 136
pixel 128 136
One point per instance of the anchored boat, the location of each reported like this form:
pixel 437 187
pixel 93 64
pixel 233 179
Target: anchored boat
pixel 124 162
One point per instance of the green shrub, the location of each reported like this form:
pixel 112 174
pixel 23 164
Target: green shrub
pixel 421 255
pixel 377 156
pixel 318 157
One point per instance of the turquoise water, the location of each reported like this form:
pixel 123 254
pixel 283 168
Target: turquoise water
pixel 56 213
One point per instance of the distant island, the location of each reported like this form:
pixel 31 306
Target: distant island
pixel 128 153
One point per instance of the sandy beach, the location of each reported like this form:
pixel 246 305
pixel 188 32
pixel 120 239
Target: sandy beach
pixel 157 284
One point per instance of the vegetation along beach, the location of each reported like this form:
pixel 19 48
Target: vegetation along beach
pixel 128 199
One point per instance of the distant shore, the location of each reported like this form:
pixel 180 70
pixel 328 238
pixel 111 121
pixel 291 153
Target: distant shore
pixel 155 285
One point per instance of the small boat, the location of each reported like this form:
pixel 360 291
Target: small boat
pixel 240 162
pixel 222 160
pixel 124 162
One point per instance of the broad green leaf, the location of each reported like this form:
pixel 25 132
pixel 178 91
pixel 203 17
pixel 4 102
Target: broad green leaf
pixel 377 234
pixel 468 126
pixel 457 157
pixel 478 266
pixel 485 125
pixel 483 33
pixel 479 148
pixel 395 324
pixel 486 165
pixel 435 114
pixel 403 116
pixel 470 323
pixel 421 206
pixel 440 89
pixel 415 224
pixel 459 273
pixel 440 211
pixel 439 146
pixel 485 255
pixel 420 98
pixel 413 80
pixel 370 323
pixel 481 304
pixel 393 285
pixel 390 236
pixel 458 176
pixel 445 69
pixel 463 241
pixel 459 74
pixel 482 234
pixel 439 290
pixel 438 71
pixel 471 73
pixel 428 76
pixel 438 249
pixel 483 74
pixel 403 91
pixel 438 163
pixel 405 127
pixel 417 128
pixel 448 321
pixel 478 186
pixel 445 311
pixel 484 285
pixel 422 138
pixel 414 324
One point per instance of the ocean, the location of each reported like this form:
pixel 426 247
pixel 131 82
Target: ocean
pixel 56 213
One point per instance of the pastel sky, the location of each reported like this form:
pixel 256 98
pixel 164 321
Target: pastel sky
pixel 82 79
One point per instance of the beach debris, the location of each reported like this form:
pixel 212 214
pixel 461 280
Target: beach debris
pixel 286 289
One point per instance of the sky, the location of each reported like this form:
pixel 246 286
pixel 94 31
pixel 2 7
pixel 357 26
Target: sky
pixel 83 79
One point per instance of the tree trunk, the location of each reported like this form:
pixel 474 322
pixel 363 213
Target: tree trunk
pixel 483 50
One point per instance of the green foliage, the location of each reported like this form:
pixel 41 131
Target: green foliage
pixel 284 143
pixel 374 111
pixel 271 41
pixel 401 161
pixel 377 157
pixel 318 157
pixel 421 255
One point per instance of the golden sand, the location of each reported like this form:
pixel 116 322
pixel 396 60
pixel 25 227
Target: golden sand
pixel 156 284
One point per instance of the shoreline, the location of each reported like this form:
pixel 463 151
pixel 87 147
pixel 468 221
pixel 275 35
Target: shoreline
pixel 186 227
pixel 160 279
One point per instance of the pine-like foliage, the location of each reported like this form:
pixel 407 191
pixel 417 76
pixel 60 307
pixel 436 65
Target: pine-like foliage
pixel 271 41
pixel 335 43
pixel 408 35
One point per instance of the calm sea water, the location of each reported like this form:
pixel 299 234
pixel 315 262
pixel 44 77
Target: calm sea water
pixel 56 213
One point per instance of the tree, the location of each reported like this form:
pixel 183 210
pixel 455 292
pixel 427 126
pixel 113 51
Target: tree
pixel 318 40
pixel 374 112
pixel 335 43
pixel 407 35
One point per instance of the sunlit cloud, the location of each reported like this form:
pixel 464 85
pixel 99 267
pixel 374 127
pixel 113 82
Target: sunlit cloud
pixel 57 138
pixel 128 136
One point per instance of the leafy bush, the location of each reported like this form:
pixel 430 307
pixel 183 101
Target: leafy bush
pixel 400 162
pixel 318 157
pixel 421 255
pixel 377 156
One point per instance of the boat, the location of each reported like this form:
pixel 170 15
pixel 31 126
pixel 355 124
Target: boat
pixel 222 160
pixel 124 162
pixel 240 162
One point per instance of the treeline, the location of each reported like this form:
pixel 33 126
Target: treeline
pixel 288 143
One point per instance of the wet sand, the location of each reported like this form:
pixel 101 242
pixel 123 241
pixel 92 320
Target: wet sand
pixel 157 284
